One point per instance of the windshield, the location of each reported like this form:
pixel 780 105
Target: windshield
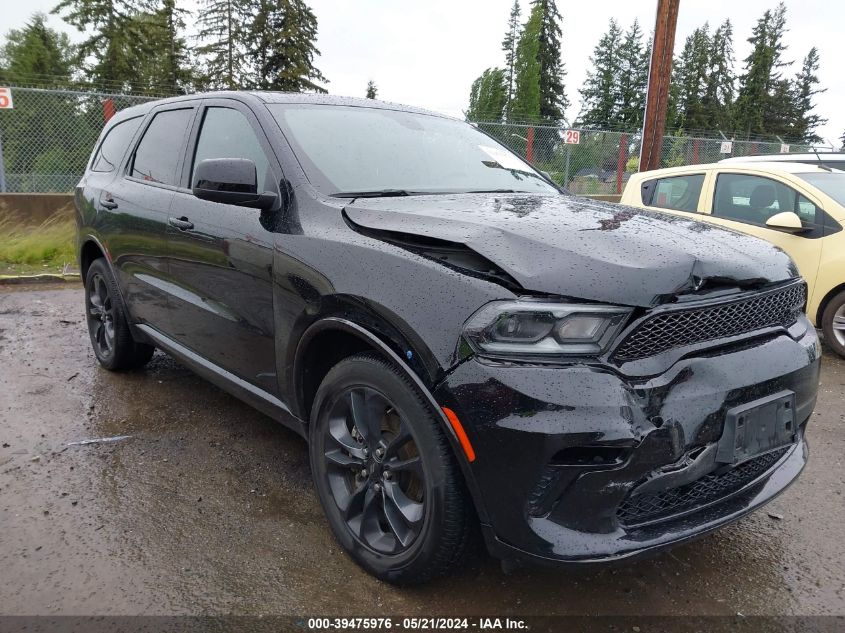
pixel 346 149
pixel 830 183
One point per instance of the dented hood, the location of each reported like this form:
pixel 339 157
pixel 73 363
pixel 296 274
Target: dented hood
pixel 580 248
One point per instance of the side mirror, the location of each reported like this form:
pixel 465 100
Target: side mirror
pixel 230 181
pixel 786 221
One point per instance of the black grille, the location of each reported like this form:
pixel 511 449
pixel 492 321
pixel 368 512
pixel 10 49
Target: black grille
pixel 638 509
pixel 676 328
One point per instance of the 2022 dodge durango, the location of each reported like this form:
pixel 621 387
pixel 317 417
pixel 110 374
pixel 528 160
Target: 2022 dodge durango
pixel 465 347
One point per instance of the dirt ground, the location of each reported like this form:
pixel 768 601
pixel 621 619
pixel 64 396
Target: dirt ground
pixel 207 508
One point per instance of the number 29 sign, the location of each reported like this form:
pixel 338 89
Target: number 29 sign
pixel 5 98
pixel 570 137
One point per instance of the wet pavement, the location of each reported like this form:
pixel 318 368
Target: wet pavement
pixel 207 508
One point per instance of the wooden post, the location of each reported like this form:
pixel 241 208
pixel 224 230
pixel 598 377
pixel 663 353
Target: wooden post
pixel 621 161
pixel 529 146
pixel 659 76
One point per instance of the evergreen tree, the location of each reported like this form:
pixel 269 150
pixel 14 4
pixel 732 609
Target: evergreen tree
pixel 553 101
pixel 842 140
pixel 804 88
pixel 162 65
pixel 690 74
pixel 488 96
pixel 719 89
pixel 221 28
pixel 599 94
pixel 526 97
pixel 111 40
pixel 36 53
pixel 761 85
pixel 632 81
pixel 509 44
pixel 282 47
pixel 372 90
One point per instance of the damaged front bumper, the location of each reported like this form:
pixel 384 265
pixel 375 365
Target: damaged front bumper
pixel 583 463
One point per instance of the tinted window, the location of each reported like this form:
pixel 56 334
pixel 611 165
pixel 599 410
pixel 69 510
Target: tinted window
pixel 680 193
pixel 348 149
pixel 114 145
pixel 226 133
pixel 159 149
pixel 755 199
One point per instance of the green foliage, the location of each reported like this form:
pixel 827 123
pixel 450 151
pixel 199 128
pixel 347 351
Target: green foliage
pixel 526 99
pixel 36 51
pixel 488 96
pixel 634 59
pixel 372 89
pixel 599 93
pixel 281 46
pixel 50 244
pixel 691 74
pixel 804 88
pixel 222 26
pixel 553 101
pixel 509 44
pixel 632 165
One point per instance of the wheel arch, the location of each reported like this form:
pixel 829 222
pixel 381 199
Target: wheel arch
pixel 825 301
pixel 89 251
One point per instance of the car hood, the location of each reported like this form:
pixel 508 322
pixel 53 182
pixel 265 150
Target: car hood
pixel 575 247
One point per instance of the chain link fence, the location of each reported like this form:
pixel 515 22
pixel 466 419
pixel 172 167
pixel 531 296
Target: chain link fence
pixel 599 162
pixel 47 137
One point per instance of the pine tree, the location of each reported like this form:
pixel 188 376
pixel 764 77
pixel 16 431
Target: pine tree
pixel 160 50
pixel 690 74
pixel 599 94
pixel 221 27
pixel 804 88
pixel 553 101
pixel 632 81
pixel 526 97
pixel 282 47
pixel 719 89
pixel 488 96
pixel 509 44
pixel 36 53
pixel 758 110
pixel 111 39
pixel 372 89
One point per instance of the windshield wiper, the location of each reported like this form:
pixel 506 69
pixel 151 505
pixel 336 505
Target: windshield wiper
pixel 495 191
pixel 378 193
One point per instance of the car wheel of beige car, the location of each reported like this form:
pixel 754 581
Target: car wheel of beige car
pixel 833 324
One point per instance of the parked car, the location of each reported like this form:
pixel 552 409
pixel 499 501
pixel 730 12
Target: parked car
pixel 465 348
pixel 834 160
pixel 799 207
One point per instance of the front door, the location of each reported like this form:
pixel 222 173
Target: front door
pixel 221 256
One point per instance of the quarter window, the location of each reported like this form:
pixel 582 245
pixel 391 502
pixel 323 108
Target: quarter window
pixel 226 133
pixel 755 199
pixel 160 148
pixel 679 193
pixel 114 145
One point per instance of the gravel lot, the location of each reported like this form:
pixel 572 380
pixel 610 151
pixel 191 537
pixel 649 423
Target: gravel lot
pixel 207 508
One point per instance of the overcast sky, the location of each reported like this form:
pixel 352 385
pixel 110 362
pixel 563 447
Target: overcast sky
pixel 428 53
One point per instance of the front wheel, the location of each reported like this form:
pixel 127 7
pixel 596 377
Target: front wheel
pixel 385 473
pixel 108 327
pixel 833 324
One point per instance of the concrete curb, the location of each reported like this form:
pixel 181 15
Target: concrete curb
pixel 46 278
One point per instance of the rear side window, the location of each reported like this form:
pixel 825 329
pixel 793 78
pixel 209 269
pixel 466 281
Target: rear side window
pixel 679 193
pixel 114 145
pixel 755 199
pixel 160 148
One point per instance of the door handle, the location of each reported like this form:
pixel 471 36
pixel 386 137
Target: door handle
pixel 107 202
pixel 183 223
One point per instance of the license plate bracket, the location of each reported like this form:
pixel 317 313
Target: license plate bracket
pixel 757 427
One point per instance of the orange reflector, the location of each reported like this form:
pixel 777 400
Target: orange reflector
pixel 459 431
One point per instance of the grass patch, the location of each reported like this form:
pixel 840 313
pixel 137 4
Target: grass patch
pixel 47 247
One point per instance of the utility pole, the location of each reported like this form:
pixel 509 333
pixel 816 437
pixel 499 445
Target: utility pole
pixel 659 76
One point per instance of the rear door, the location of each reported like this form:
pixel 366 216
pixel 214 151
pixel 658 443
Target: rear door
pixel 136 206
pixel 221 256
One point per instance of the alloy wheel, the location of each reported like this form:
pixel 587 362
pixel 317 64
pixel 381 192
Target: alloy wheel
pixel 374 470
pixel 838 325
pixel 100 315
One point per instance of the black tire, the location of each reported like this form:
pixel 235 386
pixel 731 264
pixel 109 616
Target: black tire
pixel 108 327
pixel 416 475
pixel 833 324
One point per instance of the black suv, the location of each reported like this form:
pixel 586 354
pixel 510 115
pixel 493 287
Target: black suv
pixel 465 347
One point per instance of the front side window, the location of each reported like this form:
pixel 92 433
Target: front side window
pixel 831 183
pixel 114 145
pixel 226 133
pixel 755 199
pixel 345 149
pixel 160 148
pixel 679 193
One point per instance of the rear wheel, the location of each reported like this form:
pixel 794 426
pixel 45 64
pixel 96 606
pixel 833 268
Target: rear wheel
pixel 385 474
pixel 108 327
pixel 833 324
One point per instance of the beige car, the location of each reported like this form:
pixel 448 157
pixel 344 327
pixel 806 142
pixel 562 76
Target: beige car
pixel 798 207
